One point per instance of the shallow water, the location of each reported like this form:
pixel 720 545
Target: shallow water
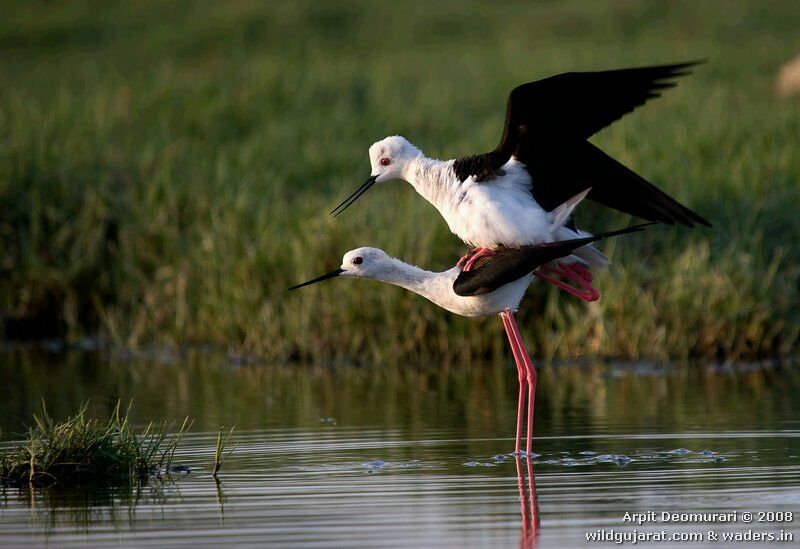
pixel 420 456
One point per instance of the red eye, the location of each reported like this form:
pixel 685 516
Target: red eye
pixel 385 161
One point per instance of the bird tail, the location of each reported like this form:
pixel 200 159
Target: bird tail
pixel 587 255
pixel 560 214
pixel 590 255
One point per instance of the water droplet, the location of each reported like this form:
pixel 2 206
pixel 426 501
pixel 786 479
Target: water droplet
pixel 680 451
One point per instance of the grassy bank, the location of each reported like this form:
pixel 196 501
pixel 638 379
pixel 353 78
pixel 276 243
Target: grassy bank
pixel 84 451
pixel 166 170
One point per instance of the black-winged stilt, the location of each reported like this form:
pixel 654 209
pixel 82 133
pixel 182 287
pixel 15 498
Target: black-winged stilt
pixel 495 285
pixel 501 198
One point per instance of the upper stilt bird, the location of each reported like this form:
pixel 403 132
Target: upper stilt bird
pixel 502 198
pixel 495 285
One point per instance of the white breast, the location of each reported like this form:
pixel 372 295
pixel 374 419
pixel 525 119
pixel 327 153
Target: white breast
pixel 499 212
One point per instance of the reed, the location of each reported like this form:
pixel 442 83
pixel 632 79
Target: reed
pixel 166 172
pixel 222 452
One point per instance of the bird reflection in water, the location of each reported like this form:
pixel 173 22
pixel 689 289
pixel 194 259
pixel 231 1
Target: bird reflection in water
pixel 528 503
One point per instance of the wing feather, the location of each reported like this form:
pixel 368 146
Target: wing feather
pixel 511 264
pixel 547 124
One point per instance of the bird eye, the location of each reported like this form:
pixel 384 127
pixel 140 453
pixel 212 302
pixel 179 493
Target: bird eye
pixel 385 161
pixel 358 260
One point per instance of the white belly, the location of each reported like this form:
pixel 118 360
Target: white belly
pixel 503 299
pixel 499 212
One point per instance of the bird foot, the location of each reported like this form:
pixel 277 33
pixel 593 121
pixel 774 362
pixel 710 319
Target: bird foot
pixel 466 257
pixel 574 273
pixel 474 256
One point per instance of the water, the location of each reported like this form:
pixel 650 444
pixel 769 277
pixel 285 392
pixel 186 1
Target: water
pixel 349 456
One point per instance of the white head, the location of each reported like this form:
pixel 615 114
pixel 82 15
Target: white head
pixel 359 263
pixel 365 263
pixel 389 157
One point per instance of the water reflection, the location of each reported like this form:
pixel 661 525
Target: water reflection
pixel 581 398
pixel 81 508
pixel 528 503
pixel 351 486
pixel 413 457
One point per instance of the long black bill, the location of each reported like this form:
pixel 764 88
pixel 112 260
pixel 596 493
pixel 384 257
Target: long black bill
pixel 332 274
pixel 353 197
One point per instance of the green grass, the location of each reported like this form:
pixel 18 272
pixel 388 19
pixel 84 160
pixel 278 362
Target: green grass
pixel 85 451
pixel 222 450
pixel 166 170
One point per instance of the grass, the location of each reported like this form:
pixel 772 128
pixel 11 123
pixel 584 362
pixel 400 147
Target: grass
pixel 222 452
pixel 84 451
pixel 166 170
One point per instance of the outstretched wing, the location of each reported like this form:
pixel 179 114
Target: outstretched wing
pixel 512 264
pixel 560 169
pixel 547 124
pixel 577 105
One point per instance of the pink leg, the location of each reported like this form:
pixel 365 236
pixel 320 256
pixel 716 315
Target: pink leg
pixel 581 271
pixel 586 292
pixel 466 257
pixel 479 254
pixel 530 372
pixel 521 375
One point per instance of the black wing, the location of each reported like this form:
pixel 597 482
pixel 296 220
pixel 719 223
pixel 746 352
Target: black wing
pixel 560 169
pixel 512 264
pixel 579 104
pixel 547 124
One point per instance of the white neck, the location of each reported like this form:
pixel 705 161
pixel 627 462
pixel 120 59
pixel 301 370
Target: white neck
pixel 425 283
pixel 435 180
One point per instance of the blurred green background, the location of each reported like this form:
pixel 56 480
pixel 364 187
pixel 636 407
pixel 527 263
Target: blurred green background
pixel 166 169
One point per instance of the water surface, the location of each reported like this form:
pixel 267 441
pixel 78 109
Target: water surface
pixel 351 456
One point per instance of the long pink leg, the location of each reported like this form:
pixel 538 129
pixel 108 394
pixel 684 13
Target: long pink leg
pixel 521 375
pixel 581 271
pixel 580 275
pixel 586 292
pixel 530 371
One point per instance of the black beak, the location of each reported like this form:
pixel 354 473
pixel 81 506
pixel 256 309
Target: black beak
pixel 353 197
pixel 332 274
